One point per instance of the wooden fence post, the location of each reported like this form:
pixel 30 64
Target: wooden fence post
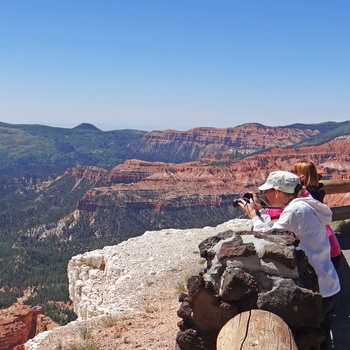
pixel 255 330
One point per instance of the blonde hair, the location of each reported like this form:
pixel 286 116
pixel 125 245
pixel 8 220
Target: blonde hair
pixel 309 172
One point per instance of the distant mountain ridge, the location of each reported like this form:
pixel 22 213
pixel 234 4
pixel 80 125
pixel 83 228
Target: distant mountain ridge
pixel 46 151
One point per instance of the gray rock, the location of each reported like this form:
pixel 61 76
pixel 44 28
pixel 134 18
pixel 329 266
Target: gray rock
pixel 244 271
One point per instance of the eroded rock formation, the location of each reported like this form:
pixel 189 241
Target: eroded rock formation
pixel 247 271
pixel 18 323
pixel 157 183
pixel 87 172
pixel 197 193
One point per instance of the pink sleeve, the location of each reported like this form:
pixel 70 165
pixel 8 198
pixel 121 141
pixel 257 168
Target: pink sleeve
pixel 335 247
pixel 274 213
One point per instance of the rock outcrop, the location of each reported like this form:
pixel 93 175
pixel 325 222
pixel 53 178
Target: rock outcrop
pixel 87 172
pixel 18 323
pixel 246 271
pixel 110 280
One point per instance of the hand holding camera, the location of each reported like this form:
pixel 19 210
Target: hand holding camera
pixel 250 206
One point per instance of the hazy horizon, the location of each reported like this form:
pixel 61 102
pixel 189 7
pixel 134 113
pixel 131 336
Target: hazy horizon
pixel 140 129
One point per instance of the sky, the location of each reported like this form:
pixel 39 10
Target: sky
pixel 174 64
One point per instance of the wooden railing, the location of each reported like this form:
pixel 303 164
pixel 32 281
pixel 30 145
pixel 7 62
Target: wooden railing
pixel 338 186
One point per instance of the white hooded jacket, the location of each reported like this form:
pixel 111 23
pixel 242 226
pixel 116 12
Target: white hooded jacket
pixel 307 217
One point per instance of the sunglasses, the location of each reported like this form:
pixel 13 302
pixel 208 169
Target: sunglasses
pixel 265 191
pixel 262 199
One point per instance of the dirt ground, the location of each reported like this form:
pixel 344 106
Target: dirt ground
pixel 152 326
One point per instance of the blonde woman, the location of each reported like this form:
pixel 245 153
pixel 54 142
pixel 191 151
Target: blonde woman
pixel 309 177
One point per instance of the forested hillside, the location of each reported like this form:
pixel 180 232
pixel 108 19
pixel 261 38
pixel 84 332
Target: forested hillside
pixel 41 151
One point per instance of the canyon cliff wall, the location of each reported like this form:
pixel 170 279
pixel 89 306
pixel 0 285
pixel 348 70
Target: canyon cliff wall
pixel 182 146
pixel 158 195
pixel 18 323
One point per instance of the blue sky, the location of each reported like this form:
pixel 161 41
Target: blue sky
pixel 174 64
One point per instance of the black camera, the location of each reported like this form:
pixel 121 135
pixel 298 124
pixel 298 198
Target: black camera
pixel 246 197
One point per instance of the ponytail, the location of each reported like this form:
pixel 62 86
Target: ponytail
pixel 299 190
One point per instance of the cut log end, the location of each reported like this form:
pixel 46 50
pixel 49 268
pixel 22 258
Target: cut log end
pixel 256 329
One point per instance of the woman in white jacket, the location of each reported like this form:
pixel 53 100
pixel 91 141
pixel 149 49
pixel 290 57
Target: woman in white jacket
pixel 306 217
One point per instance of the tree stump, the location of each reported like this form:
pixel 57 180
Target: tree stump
pixel 256 329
